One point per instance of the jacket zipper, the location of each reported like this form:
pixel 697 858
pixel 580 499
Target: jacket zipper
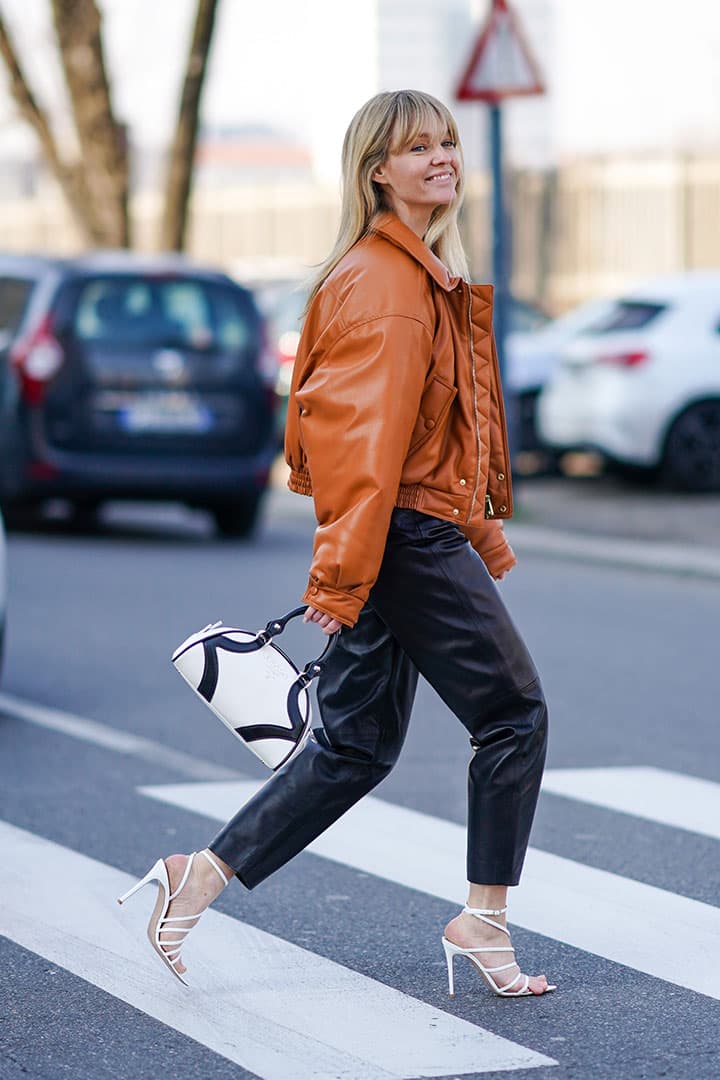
pixel 475 409
pixel 501 410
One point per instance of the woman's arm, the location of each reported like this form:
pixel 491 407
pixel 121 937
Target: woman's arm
pixel 358 408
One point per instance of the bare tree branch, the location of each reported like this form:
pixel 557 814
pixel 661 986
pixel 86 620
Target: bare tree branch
pixel 102 139
pixel 182 153
pixel 70 177
pixel 97 186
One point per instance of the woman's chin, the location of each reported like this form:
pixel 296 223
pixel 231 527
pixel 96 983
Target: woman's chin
pixel 444 198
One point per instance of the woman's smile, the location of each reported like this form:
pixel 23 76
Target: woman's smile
pixel 441 177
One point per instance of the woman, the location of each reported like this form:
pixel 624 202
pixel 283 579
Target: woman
pixel 396 428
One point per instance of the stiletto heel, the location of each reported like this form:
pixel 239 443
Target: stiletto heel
pixel 159 920
pixel 452 950
pixel 154 874
pixel 449 957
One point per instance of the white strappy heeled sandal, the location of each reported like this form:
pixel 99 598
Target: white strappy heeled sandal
pixel 159 921
pixel 452 950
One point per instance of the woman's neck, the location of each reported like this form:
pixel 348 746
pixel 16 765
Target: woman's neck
pixel 416 218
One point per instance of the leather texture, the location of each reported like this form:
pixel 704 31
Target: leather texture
pixel 435 610
pixel 395 401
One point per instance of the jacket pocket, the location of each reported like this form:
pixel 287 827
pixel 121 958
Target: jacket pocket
pixel 434 406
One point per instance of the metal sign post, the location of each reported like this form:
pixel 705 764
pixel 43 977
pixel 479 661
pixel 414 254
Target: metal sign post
pixel 501 252
pixel 500 66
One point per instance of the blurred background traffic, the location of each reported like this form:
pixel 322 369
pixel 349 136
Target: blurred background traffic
pixel 169 177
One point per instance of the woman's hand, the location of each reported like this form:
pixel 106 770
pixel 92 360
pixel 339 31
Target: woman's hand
pixel 326 622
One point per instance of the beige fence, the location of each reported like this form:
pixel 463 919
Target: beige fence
pixel 583 230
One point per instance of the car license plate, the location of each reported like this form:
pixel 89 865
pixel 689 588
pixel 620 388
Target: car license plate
pixel 172 414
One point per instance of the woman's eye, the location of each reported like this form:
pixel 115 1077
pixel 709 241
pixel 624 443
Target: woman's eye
pixel 449 142
pixel 420 146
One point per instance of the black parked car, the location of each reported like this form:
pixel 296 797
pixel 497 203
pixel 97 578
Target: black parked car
pixel 123 376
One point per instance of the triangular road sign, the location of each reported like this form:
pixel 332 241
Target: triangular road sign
pixel 501 64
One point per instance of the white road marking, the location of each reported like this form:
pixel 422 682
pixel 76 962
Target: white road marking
pixel 565 908
pixel 265 1004
pixel 110 738
pixel 669 798
pixel 651 930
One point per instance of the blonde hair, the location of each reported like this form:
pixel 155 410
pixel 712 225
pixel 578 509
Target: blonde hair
pixel 390 121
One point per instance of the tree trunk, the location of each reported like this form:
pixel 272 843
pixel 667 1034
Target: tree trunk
pixel 69 176
pixel 103 143
pixel 181 159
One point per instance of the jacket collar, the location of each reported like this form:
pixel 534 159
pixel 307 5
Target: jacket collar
pixel 397 232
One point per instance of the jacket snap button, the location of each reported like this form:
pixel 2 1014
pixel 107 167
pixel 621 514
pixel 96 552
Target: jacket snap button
pixel 502 509
pixel 463 483
pixel 456 512
pixel 429 423
pixel 501 476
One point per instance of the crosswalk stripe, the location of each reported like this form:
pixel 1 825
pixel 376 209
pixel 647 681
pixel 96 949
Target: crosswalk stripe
pixel 265 1004
pixel 668 798
pixel 651 930
pixel 110 738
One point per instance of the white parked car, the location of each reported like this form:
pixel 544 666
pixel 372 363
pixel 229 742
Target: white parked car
pixel 3 591
pixel 533 353
pixel 641 384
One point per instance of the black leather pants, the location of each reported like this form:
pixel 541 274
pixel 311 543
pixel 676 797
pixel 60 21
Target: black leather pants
pixel 434 609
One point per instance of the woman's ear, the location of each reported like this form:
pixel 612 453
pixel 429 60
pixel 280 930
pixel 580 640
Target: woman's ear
pixel 379 176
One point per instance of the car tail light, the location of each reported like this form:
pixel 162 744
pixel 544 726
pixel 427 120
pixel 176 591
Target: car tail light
pixel 288 346
pixel 37 359
pixel 625 359
pixel 287 350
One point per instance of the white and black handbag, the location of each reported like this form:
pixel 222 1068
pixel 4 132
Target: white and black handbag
pixel 253 686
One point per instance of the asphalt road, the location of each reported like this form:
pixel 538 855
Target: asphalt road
pixel 620 900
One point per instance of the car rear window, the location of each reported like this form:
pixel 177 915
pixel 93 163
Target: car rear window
pixel 158 312
pixel 14 295
pixel 627 315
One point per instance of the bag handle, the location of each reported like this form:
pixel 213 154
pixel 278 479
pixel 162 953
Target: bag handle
pixel 313 668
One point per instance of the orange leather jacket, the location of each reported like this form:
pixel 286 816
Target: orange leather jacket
pixel 395 401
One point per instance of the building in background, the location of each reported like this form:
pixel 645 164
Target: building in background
pixel 615 171
pixel 250 154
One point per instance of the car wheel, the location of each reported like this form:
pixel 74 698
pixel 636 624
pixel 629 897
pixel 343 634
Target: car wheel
pixel 85 513
pixel 637 476
pixel 239 518
pixel 691 460
pixel 21 514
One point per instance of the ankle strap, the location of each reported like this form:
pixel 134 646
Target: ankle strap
pixel 483 911
pixel 216 868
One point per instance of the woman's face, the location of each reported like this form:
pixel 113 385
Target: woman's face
pixel 420 176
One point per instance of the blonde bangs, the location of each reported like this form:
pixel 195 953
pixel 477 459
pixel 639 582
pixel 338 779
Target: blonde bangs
pixel 417 114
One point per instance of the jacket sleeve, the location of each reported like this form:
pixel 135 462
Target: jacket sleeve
pixel 357 411
pixel 491 544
